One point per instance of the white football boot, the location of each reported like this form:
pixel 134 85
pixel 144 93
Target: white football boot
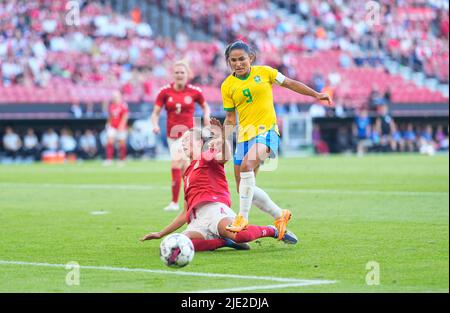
pixel 172 207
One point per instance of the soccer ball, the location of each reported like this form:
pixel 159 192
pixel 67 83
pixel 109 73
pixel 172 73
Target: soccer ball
pixel 176 250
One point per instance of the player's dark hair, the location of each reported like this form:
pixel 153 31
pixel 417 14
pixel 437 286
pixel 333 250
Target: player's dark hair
pixel 239 45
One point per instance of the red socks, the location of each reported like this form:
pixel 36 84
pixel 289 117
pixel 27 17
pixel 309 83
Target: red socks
pixel 109 151
pixel 254 232
pixel 251 233
pixel 176 184
pixel 123 152
pixel 208 244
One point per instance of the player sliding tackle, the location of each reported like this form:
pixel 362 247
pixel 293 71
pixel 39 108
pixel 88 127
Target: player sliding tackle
pixel 248 91
pixel 207 198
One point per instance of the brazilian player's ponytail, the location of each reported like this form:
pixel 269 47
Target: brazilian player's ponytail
pixel 239 45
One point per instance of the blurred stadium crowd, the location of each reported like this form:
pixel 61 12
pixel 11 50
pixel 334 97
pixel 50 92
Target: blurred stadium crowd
pixel 329 39
pixel 330 45
pixel 382 133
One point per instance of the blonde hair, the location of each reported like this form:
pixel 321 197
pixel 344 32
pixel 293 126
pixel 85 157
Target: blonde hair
pixel 184 63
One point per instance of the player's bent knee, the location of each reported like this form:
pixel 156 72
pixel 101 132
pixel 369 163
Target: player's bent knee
pixel 248 166
pixel 223 232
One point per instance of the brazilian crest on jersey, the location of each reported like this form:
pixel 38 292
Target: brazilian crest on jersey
pixel 252 98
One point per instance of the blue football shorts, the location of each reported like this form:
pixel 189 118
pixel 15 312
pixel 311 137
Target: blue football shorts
pixel 269 138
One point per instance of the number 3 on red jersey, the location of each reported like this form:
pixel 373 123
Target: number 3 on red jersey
pixel 178 108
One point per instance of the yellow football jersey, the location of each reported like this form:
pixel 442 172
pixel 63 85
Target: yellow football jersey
pixel 252 97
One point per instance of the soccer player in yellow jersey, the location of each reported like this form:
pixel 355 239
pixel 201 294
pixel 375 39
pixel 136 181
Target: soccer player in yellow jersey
pixel 248 91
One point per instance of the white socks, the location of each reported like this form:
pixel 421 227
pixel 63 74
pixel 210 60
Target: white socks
pixel 250 194
pixel 262 201
pixel 246 191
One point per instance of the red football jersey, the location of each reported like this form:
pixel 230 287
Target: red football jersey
pixel 205 182
pixel 116 112
pixel 180 107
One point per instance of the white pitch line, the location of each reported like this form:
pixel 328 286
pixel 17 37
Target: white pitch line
pixel 289 281
pixel 99 212
pixel 306 283
pixel 152 187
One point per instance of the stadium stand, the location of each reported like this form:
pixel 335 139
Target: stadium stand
pixel 45 60
pixel 401 60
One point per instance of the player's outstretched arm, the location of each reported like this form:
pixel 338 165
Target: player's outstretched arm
pixel 230 119
pixel 178 222
pixel 215 123
pixel 155 119
pixel 229 124
pixel 206 115
pixel 220 143
pixel 123 122
pixel 301 88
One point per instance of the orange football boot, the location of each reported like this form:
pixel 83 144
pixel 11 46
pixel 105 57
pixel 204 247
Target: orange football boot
pixel 281 223
pixel 239 223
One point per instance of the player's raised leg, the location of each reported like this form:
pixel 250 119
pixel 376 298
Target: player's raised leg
pixel 246 189
pixel 262 201
pixel 260 198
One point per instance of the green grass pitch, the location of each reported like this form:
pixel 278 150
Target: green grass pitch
pixel 347 211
